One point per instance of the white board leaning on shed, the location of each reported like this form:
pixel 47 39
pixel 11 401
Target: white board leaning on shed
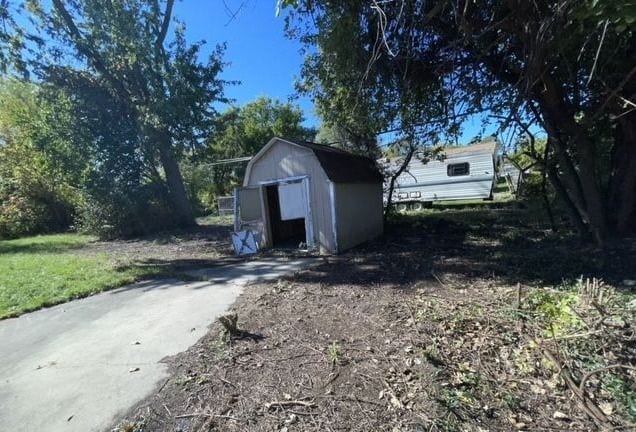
pixel 244 242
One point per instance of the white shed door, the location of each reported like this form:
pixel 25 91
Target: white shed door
pixel 292 200
pixel 248 204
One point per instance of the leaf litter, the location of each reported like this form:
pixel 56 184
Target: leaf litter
pixel 429 335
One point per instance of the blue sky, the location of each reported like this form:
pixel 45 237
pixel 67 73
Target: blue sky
pixel 260 55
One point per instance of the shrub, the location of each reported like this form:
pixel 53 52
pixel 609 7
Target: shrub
pixel 19 217
pixel 116 214
pixel 33 197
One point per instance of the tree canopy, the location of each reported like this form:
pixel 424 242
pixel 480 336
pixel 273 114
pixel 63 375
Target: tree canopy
pixel 138 88
pixel 243 131
pixel 240 132
pixel 423 66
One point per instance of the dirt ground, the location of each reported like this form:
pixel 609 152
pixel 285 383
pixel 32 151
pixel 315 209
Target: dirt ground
pixel 463 320
pixel 201 246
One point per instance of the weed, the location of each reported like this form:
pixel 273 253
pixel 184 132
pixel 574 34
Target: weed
pixel 219 347
pixel 524 361
pixel 446 424
pixel 624 394
pixel 555 308
pixel 454 398
pixel 334 353
pixel 468 379
pixel 183 380
pixel 511 401
pixel 433 355
pixel 127 426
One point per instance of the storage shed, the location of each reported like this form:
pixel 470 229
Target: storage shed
pixel 311 194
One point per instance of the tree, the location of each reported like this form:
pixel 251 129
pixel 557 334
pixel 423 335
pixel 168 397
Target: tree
pixel 565 65
pixel 125 66
pixel 337 136
pixel 39 174
pixel 243 131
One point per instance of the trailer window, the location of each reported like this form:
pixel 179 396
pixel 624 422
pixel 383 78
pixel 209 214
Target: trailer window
pixel 415 194
pixel 458 169
pixel 403 195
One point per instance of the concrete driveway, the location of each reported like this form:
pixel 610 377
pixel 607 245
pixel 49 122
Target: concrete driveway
pixel 76 366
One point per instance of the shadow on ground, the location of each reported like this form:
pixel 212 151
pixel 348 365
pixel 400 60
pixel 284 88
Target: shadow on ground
pixel 506 243
pixel 36 245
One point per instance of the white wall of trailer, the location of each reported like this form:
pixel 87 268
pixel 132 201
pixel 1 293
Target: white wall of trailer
pixel 430 181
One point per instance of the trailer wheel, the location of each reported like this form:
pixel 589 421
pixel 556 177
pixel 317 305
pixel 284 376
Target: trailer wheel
pixel 402 207
pixel 417 206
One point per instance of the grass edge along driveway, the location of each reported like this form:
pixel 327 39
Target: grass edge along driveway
pixel 41 271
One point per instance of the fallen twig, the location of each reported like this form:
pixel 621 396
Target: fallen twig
pixel 206 415
pixel 588 406
pixel 575 335
pixel 352 399
pixel 599 370
pixel 163 385
pixel 332 377
pixel 438 279
pixel 284 403
pixel 227 382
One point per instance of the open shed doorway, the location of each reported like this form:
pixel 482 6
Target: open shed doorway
pixel 287 207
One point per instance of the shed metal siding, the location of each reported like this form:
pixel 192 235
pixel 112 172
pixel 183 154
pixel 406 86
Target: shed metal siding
pixel 431 179
pixel 283 160
pixel 358 209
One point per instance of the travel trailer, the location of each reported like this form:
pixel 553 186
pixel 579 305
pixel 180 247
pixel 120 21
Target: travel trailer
pixel 466 172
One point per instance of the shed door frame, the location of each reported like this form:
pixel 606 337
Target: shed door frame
pixel 309 222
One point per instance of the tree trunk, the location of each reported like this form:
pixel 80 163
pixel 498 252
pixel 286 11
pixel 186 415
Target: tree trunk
pixel 566 183
pixel 176 189
pixel 544 189
pixel 622 193
pixel 581 182
pixel 573 213
pixel 394 176
pixel 593 198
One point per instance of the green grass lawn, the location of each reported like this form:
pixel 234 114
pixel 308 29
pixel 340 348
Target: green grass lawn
pixel 45 270
pixel 216 220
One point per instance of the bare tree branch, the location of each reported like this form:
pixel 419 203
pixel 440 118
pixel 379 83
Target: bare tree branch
pixel 598 52
pixel 167 16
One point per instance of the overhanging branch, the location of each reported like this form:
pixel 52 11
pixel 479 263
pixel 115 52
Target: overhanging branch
pixel 83 46
pixel 167 16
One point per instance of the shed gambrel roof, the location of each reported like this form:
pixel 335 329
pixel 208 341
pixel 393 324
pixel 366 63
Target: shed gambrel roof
pixel 340 166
